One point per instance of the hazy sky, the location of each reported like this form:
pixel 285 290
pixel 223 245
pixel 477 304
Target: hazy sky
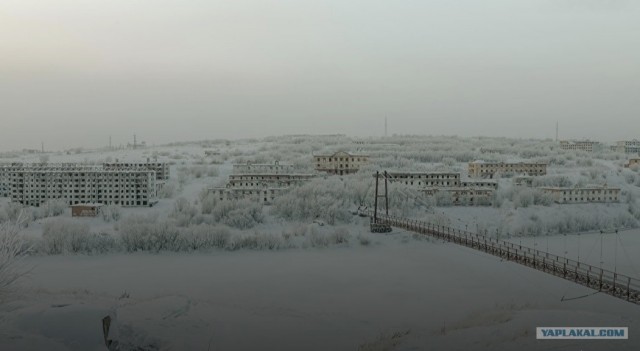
pixel 73 72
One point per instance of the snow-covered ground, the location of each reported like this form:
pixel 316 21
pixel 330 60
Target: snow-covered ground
pixel 442 295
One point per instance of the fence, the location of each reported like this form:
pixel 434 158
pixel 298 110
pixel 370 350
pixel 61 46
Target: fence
pixel 608 282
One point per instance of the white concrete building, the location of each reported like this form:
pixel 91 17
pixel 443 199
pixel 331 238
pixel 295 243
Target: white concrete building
pixel 32 187
pixel 490 184
pixel 339 163
pixel 262 168
pixel 586 194
pixel 482 169
pixel 582 145
pixel 628 146
pixel 260 180
pixel 464 196
pixel 426 179
pixel 161 169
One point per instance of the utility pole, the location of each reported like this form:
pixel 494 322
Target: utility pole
pixel 134 141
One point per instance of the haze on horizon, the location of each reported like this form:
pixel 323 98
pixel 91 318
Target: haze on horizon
pixel 73 73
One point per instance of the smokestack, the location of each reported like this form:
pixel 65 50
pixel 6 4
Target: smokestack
pixel 556 131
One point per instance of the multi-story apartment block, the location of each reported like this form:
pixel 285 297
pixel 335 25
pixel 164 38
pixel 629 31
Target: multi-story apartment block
pixel 628 146
pixel 490 184
pixel 32 187
pixel 161 169
pixel 339 163
pixel 464 195
pixel 262 168
pixel 481 169
pixel 633 162
pixel 425 179
pixel 258 180
pixel 583 145
pixel 583 194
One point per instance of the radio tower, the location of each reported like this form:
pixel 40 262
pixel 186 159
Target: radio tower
pixel 385 126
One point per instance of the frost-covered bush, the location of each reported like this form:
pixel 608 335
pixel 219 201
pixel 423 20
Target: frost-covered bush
pixel 183 212
pixel 148 233
pixel 242 214
pixel 204 236
pixel 167 191
pixel 325 199
pixel 110 213
pixel 66 236
pixel 256 241
pixel 317 238
pixel 50 208
pixel 12 249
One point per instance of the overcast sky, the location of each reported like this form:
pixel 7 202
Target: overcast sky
pixel 74 72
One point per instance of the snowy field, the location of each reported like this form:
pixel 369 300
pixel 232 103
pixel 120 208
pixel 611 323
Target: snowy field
pixel 195 273
pixel 348 298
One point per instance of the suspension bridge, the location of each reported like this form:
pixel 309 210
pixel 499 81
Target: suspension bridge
pixel 605 281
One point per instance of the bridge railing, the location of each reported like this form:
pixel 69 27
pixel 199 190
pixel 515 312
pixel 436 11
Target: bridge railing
pixel 613 283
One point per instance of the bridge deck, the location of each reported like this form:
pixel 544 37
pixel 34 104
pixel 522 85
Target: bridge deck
pixel 612 283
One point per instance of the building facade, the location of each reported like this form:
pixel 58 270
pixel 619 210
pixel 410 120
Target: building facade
pixel 481 169
pixel 587 194
pixel 583 145
pixel 262 168
pixel 426 179
pixel 259 180
pixel 628 146
pixel 161 169
pixel 339 163
pixel 32 187
pixel 463 196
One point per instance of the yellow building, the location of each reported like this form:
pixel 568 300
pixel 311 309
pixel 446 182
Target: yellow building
pixel 633 162
pixel 339 163
pixel 481 169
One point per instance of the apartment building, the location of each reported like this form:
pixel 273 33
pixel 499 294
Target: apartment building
pixel 482 169
pixel 262 168
pixel 339 163
pixel 425 179
pixel 161 169
pixel 258 180
pixel 583 145
pixel 463 196
pixel 628 146
pixel 32 187
pixel 468 183
pixel 586 194
pixel 633 162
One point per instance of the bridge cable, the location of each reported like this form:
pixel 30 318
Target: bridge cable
pixel 571 286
